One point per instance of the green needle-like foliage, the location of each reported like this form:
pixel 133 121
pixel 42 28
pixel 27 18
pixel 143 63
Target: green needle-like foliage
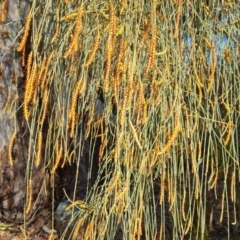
pixel 167 128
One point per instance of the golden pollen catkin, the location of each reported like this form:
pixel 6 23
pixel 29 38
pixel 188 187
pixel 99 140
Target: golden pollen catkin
pixel 229 133
pixel 170 141
pixel 107 66
pixel 59 153
pixel 56 34
pixel 30 197
pixel 45 71
pixel 39 148
pixel 93 52
pixel 77 31
pixel 10 148
pixel 25 32
pixel 178 17
pixel 152 52
pixel 3 11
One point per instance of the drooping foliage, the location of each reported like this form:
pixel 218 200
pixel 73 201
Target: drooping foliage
pixel 151 90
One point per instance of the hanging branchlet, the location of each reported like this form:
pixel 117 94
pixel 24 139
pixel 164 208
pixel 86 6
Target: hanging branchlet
pixel 39 148
pixel 45 71
pixel 227 55
pixel 151 52
pixel 107 66
pixel 118 70
pixel 76 93
pixel 118 146
pixel 33 82
pixel 29 65
pixel 3 11
pixel 177 21
pixel 26 32
pixel 10 148
pixel 145 112
pixel 30 197
pixel 215 180
pixel 112 32
pixel 71 65
pixel 77 31
pixel 170 140
pixel 77 228
pixel 233 187
pixel 211 77
pixel 44 106
pixel 213 66
pixel 59 154
pixel 28 87
pixel 9 97
pixel 102 150
pixel 109 48
pixel 214 54
pixel 56 34
pixel 125 104
pixel 23 57
pixel 197 78
pixel 70 16
pixel 57 31
pixel 189 225
pixel 41 70
pixel 163 186
pixel 146 31
pixel 134 132
pixel 183 205
pixel 229 133
pixel 89 233
pixel 94 51
pixel 80 86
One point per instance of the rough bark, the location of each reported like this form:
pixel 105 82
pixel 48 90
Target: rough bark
pixel 13 182
pixel 14 179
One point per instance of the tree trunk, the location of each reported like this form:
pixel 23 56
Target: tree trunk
pixel 17 193
pixel 13 137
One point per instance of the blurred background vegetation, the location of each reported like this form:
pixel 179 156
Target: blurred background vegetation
pixel 130 110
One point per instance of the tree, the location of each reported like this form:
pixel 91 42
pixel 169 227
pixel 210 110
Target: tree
pixel 138 102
